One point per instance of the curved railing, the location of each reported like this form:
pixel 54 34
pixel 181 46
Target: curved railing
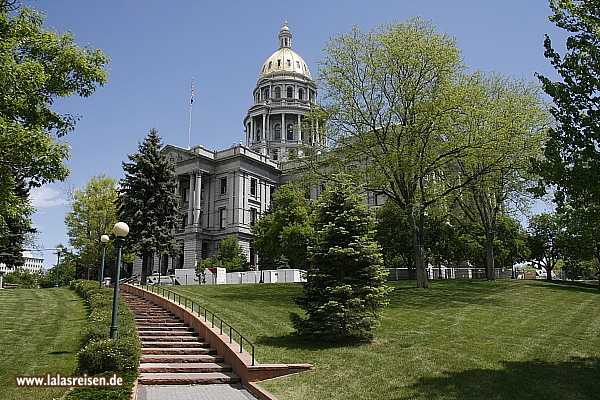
pixel 202 312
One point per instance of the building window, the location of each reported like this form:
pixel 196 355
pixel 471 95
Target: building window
pixel 201 217
pixel 298 64
pixel 277 130
pixel 275 154
pixel 258 135
pixel 289 63
pixel 253 187
pixel 266 94
pixel 301 94
pixel 277 92
pixel 223 185
pixel 184 221
pixel 279 63
pixel 222 218
pixel 290 132
pixel 253 214
pixel 270 64
pixel 290 92
pixel 186 194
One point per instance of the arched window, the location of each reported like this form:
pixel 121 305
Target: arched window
pixel 277 92
pixel 266 93
pixel 258 135
pixel 290 92
pixel 256 97
pixel 277 133
pixel 289 132
pixel 301 94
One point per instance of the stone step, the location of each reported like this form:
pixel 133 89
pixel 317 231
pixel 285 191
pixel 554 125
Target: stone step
pixel 178 333
pixel 161 320
pixel 188 379
pixel 182 328
pixel 154 338
pixel 168 368
pixel 181 358
pixel 146 344
pixel 187 351
pixel 170 322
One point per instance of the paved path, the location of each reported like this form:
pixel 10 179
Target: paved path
pixel 194 392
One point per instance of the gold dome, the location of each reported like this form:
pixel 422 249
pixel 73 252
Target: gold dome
pixel 285 59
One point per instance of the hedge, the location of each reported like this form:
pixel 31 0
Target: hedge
pixel 100 354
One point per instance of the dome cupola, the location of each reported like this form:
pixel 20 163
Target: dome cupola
pixel 285 59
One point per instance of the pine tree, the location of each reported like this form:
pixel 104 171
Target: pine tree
pixel 345 288
pixel 148 201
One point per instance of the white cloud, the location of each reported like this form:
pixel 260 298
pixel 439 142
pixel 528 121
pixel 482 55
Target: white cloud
pixel 46 197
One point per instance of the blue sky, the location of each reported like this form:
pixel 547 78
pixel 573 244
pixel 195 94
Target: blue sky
pixel 157 47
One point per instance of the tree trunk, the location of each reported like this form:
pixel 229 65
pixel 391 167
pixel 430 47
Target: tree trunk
pixel 548 274
pixel 489 257
pixel 417 242
pixel 145 257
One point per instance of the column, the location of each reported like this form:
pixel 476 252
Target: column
pixel 283 131
pixel 190 220
pixel 264 124
pixel 197 192
pixel 299 128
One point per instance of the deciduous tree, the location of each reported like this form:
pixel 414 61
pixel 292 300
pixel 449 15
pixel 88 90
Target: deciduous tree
pixel 37 66
pixel 285 230
pixel 93 214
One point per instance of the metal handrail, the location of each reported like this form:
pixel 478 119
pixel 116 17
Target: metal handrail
pixel 204 313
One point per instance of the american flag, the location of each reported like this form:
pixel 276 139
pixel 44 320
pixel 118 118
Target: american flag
pixel 192 95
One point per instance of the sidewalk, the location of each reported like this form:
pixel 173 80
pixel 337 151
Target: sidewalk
pixel 194 392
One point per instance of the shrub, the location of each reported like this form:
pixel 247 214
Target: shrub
pixel 118 355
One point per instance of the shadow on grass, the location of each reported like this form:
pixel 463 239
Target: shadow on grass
pixel 536 379
pixel 585 287
pixel 292 342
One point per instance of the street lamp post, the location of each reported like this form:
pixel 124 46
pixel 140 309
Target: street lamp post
pixel 120 230
pixel 58 251
pixel 104 239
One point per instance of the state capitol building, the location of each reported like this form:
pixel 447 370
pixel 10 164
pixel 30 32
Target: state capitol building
pixel 223 192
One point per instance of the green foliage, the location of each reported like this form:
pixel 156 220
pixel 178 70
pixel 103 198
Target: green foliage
pixel 572 160
pixel 37 66
pixel 22 277
pixel 547 240
pixel 345 288
pixel 285 230
pixel 229 256
pixel 93 214
pixel 148 202
pixel 66 273
pixel 100 353
pixel 110 355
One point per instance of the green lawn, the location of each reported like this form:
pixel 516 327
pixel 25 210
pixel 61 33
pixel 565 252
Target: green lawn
pixel 40 332
pixel 459 340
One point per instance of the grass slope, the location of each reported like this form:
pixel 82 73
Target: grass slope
pixel 40 332
pixel 463 339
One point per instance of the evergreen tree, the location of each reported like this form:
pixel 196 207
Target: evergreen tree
pixel 345 287
pixel 148 203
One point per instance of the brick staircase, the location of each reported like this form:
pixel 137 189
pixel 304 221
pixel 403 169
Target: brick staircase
pixel 172 353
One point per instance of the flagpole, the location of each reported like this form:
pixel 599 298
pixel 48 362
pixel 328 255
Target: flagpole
pixel 191 104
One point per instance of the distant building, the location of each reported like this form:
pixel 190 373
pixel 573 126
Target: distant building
pixel 223 192
pixel 32 265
